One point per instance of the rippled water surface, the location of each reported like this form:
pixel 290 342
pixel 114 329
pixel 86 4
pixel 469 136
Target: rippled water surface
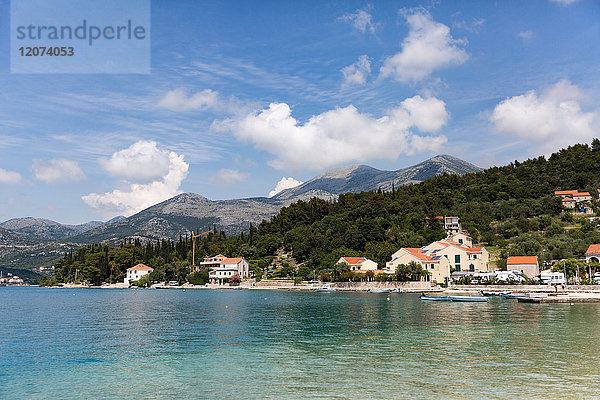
pixel 75 343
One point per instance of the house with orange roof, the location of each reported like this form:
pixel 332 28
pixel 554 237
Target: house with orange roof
pixel 439 257
pixel 358 263
pixel 565 193
pixel 593 253
pixel 568 202
pixel 462 256
pixel 437 266
pixel 221 267
pixel 582 196
pixel 136 272
pixel 528 265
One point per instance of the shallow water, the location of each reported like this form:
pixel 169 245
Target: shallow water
pixel 105 343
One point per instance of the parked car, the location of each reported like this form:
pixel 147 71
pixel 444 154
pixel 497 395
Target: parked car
pixel 510 276
pixel 596 278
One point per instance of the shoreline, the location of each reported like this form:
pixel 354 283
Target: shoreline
pixel 414 287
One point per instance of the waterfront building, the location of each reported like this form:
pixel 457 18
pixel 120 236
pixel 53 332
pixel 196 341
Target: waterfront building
pixel 438 258
pixel 593 253
pixel 462 258
pixel 436 265
pixel 136 272
pixel 221 267
pixel 358 263
pixel 212 262
pixel 528 266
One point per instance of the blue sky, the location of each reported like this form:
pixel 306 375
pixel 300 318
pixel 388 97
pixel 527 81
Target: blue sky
pixel 243 94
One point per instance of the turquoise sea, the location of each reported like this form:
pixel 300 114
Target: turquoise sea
pixel 220 344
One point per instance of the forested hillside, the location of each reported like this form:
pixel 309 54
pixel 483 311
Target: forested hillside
pixel 511 208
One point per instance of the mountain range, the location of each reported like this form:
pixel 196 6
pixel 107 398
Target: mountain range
pixel 188 211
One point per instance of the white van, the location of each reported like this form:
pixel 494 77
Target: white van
pixel 552 278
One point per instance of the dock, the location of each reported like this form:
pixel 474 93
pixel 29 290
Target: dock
pixel 562 298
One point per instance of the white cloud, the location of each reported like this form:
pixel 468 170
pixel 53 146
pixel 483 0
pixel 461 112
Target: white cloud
pixel 9 177
pixel 142 162
pixel 550 120
pixel 341 135
pixel 138 196
pixel 356 74
pixel 525 35
pixel 178 100
pixel 470 26
pixel 226 177
pixel 284 183
pixel 428 46
pixel 361 20
pixel 564 2
pixel 57 171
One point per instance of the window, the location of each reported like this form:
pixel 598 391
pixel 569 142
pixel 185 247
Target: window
pixel 457 267
pixel 474 256
pixel 472 268
pixel 457 259
pixel 460 241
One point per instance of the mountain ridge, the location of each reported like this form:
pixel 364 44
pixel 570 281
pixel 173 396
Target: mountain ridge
pixel 188 211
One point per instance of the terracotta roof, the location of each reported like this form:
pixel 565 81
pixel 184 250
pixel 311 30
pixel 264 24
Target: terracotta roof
pixel 593 249
pixel 582 194
pixel 475 249
pixel 232 260
pixel 522 260
pixel 141 266
pixel 420 255
pixel 562 192
pixel 567 199
pixel 354 260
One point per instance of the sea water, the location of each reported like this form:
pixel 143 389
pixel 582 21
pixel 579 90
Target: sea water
pixel 111 343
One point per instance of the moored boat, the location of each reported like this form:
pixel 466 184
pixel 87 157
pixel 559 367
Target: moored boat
pixel 486 293
pixel 325 288
pixel 434 298
pixel 468 298
pixel 379 290
pixel 514 296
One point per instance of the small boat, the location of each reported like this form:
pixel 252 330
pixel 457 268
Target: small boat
pixel 325 288
pixel 434 298
pixel 396 290
pixel 379 290
pixel 468 298
pixel 485 293
pixel 514 296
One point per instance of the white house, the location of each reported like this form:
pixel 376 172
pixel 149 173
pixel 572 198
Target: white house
pixel 528 266
pixel 135 273
pixel 358 263
pixel 568 202
pixel 582 196
pixel 564 193
pixel 451 224
pixel 221 267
